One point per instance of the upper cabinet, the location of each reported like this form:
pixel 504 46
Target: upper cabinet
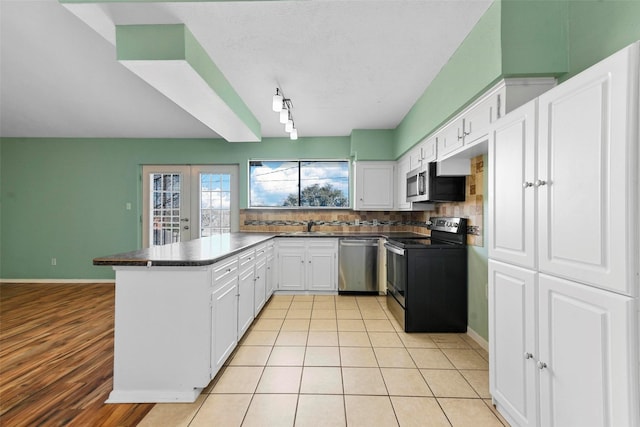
pixel 466 135
pixel 562 179
pixel 374 186
pixel 587 171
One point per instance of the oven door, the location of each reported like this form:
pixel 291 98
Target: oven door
pixel 396 272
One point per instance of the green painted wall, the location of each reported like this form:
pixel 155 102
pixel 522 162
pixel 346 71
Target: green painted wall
pixel 597 29
pixel 479 271
pixel 65 198
pixel 372 144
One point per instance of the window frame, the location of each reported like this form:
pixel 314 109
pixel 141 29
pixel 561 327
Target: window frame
pixel 347 162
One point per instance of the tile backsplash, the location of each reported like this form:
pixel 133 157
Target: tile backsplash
pixel 339 220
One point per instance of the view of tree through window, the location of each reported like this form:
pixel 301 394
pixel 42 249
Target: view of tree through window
pixel 274 183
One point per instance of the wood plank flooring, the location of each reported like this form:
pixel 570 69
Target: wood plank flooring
pixel 56 357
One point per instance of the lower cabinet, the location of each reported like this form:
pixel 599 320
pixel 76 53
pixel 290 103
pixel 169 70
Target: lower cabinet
pixel 560 351
pixel 270 279
pixel 260 284
pixel 224 328
pixel 308 264
pixel 246 290
pixel 224 312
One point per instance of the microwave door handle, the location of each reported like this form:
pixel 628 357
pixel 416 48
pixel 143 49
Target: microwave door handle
pixel 421 184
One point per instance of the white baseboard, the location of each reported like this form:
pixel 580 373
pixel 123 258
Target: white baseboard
pixel 477 338
pixel 59 281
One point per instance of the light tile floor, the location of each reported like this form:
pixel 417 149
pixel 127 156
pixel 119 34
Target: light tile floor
pixel 341 361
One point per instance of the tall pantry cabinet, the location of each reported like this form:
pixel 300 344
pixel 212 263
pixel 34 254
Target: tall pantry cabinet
pixel 564 252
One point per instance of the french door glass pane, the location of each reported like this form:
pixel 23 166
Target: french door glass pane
pixel 215 203
pixel 165 197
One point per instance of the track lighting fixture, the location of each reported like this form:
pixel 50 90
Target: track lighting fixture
pixel 281 104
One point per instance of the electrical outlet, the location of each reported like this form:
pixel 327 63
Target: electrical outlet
pixel 357 222
pixel 375 222
pixel 54 261
pixel 127 206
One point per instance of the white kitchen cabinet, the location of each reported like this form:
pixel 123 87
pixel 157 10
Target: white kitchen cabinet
pixel 560 353
pixel 403 166
pixel 423 153
pixel 322 258
pixel 465 135
pixel 563 263
pixel 587 163
pixel 270 274
pixel 260 285
pixel 586 356
pixel 513 342
pixel 291 265
pixel 307 264
pixel 512 209
pixel 224 312
pixel 374 186
pixel 246 290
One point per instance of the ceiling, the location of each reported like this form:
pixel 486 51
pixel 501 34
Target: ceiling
pixel 344 64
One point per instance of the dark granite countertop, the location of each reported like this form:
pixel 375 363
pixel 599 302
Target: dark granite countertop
pixel 208 250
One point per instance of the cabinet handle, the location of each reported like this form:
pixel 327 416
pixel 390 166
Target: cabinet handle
pixel 527 184
pixel 460 137
pixel 464 128
pixel 528 356
pixel 228 270
pixel 541 365
pixel 540 183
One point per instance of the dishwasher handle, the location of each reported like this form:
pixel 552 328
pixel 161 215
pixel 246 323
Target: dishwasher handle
pixel 360 243
pixel 394 249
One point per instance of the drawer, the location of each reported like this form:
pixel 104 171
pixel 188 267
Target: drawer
pixel 225 269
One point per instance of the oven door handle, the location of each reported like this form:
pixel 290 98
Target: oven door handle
pixel 396 250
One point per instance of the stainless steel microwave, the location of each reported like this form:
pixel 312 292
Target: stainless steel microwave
pixel 424 185
pixel 418 185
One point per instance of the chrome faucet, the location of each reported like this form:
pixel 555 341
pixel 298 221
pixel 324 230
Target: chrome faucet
pixel 309 225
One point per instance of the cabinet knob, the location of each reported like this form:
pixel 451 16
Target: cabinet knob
pixel 528 356
pixel 527 184
pixel 541 365
pixel 186 227
pixel 540 183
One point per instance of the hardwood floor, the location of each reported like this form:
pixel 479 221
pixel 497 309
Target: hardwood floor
pixel 56 357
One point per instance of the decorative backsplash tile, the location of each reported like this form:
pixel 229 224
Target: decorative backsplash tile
pixel 291 220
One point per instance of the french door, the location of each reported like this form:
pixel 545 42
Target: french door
pixel 184 202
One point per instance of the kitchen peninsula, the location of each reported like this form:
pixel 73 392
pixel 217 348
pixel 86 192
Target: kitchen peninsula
pixel 181 308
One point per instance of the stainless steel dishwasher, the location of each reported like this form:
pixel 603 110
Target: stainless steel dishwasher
pixel 358 266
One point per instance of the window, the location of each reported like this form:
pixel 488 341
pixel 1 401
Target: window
pixel 292 183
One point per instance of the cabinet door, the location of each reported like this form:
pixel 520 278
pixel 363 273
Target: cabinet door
pixel 401 187
pixel 270 275
pixel 260 285
pixel 321 266
pixel 586 346
pixel 224 316
pixel 245 301
pixel 375 183
pixel 415 157
pixel 512 147
pixel 429 150
pixel 477 121
pixel 450 138
pixel 291 266
pixel 512 341
pixel 586 163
